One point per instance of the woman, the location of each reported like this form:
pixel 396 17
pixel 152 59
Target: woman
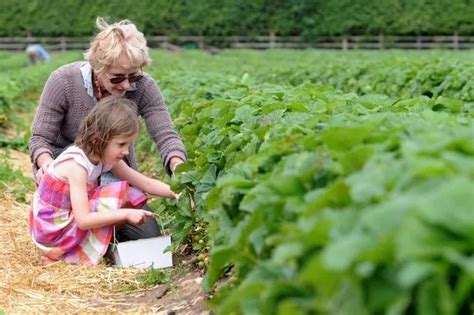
pixel 114 66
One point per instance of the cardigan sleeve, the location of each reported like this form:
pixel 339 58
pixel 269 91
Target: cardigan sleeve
pixel 47 122
pixel 159 125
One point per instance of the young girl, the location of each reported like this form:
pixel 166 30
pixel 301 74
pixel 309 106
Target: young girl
pixel 71 218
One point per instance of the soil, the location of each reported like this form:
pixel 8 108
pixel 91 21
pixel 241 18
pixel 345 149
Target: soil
pixel 183 294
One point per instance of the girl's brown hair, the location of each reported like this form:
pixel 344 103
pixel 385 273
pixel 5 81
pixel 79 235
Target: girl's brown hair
pixel 112 117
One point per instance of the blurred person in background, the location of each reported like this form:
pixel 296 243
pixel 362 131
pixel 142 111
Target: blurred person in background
pixel 113 66
pixel 36 53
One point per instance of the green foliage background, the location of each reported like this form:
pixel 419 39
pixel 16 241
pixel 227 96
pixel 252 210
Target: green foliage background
pixel 329 182
pixel 308 18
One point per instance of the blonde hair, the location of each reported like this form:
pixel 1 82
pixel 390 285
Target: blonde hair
pixel 111 117
pixel 116 39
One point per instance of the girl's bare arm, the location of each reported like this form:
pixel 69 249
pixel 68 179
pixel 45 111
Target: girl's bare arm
pixel 145 183
pixel 77 178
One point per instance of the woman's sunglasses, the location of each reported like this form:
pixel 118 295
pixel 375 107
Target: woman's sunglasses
pixel 132 78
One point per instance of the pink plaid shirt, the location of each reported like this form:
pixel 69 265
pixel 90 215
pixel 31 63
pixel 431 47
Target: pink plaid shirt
pixel 56 233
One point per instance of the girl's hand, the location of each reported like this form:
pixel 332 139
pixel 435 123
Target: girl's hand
pixel 137 216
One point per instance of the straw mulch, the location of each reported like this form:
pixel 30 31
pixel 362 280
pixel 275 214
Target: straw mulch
pixel 27 287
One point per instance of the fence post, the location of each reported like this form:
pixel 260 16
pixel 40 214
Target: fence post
pixel 235 41
pixel 344 43
pixel 272 39
pixel 63 44
pixel 418 42
pixel 456 41
pixel 200 42
pixel 381 41
pixel 28 41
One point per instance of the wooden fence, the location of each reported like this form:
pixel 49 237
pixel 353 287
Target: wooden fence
pixel 260 42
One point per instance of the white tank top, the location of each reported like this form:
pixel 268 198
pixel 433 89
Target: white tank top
pixel 73 152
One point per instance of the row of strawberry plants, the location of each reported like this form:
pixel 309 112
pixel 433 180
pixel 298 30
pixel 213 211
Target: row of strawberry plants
pixel 20 80
pixel 316 210
pixel 325 202
pixel 397 74
pixel 12 61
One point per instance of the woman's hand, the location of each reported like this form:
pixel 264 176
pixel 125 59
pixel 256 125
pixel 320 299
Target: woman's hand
pixel 44 160
pixel 137 216
pixel 174 162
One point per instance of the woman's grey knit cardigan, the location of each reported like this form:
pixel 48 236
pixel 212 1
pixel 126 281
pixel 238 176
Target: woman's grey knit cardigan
pixel 65 103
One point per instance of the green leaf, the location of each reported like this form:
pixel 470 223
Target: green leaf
pixel 220 258
pixel 372 182
pixel 189 176
pixel 344 138
pixel 184 206
pixel 348 299
pixel 417 240
pixel 334 195
pixel 414 272
pixel 323 280
pixel 245 114
pixel 286 252
pixel 293 306
pixel 341 254
pixel 400 305
pixel 235 181
pixel 244 300
pixel 450 206
pixel 427 299
pixel 355 159
pixel 287 185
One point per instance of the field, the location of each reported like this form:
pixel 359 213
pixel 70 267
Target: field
pixel 324 182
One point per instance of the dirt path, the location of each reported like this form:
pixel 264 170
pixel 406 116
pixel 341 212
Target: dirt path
pixel 28 287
